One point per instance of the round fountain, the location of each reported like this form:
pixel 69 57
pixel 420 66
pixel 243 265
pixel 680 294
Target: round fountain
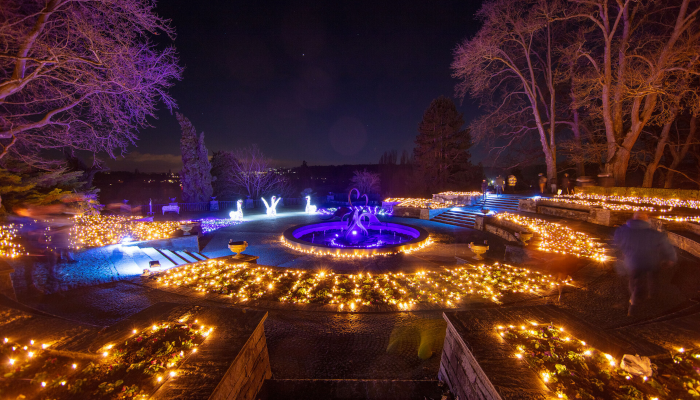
pixel 358 233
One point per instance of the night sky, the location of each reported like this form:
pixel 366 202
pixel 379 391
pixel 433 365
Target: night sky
pixel 331 82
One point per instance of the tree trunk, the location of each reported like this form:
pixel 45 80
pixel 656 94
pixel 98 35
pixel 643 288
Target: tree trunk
pixel 679 156
pixel 580 168
pixel 654 163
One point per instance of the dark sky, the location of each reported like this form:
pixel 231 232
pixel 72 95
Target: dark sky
pixel 329 82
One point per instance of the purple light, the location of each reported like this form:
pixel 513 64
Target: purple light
pixel 354 232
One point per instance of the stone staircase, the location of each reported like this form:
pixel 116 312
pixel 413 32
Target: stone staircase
pixel 172 258
pixel 464 217
pixel 504 202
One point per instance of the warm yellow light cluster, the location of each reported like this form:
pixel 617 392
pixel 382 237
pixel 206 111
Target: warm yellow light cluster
pixel 603 204
pixel 571 368
pixel 681 219
pixel 556 238
pixel 358 253
pixel 8 239
pixel 102 230
pixel 446 288
pixel 473 194
pixel 654 201
pixel 18 358
pixel 418 203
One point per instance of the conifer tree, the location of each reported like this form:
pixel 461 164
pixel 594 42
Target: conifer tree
pixel 442 148
pixel 196 168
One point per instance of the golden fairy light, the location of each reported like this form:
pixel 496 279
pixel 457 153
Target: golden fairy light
pixel 419 203
pixel 448 287
pixel 638 200
pixel 358 253
pixel 572 199
pixel 556 238
pixel 102 230
pixel 8 241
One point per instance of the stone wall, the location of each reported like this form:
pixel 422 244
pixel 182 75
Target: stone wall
pixel 411 212
pixel 684 243
pixel 460 370
pixel 563 213
pixel 181 243
pixel 248 371
pixel 648 192
pixel 503 229
pixel 594 215
pixel 6 287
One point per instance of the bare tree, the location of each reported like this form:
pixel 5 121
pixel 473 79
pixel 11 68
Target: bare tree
pixel 636 49
pixel 253 175
pixel 365 181
pixel 80 74
pixel 510 65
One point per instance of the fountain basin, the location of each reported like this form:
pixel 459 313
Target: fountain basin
pixel 327 238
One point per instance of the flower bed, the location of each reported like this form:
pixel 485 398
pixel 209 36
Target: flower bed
pixel 635 200
pixel 132 369
pixel 419 203
pixel 574 370
pixel 102 230
pixel 557 238
pixel 446 288
pixel 580 200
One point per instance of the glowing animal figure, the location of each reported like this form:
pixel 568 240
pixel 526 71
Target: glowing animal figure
pixel 309 208
pixel 272 208
pixel 238 214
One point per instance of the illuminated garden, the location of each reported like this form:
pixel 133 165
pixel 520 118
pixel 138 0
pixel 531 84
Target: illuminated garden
pixel 495 199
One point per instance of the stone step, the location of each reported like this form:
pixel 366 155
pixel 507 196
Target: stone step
pixel 174 257
pixel 155 255
pixel 199 256
pixel 186 256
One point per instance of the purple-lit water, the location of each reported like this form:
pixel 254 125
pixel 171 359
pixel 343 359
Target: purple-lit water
pixel 356 239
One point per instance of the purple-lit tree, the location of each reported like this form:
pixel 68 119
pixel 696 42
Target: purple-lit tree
pixel 80 74
pixel 196 168
pixel 366 182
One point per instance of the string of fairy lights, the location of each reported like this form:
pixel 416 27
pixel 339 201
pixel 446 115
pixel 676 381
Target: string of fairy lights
pixel 461 194
pixel 244 282
pixel 572 369
pixel 103 230
pixel 557 238
pixel 33 369
pixel 695 218
pixel 638 200
pixel 8 241
pixel 418 203
pixel 357 253
pixel 604 204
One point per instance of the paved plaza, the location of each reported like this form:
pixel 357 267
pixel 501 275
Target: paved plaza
pixel 387 345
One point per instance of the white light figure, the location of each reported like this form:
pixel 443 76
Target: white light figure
pixel 272 208
pixel 238 214
pixel 309 208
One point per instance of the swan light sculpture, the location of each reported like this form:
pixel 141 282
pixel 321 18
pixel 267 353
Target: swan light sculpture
pixel 272 207
pixel 309 208
pixel 238 214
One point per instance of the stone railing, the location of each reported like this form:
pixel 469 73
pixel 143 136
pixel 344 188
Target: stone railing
pixel 592 214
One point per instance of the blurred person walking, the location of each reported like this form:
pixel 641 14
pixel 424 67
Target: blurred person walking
pixel 500 182
pixel 484 188
pixel 542 182
pixel 565 183
pixel 645 251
